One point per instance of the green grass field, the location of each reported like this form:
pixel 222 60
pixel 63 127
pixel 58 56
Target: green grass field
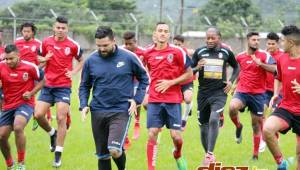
pixel 79 146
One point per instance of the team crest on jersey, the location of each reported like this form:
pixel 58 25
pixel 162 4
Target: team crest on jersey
pixel 25 76
pixel 33 48
pixel 67 51
pixel 220 55
pixel 170 58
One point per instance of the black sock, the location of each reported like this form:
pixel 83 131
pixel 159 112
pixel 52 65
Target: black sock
pixel 57 156
pixel 104 164
pixel 121 161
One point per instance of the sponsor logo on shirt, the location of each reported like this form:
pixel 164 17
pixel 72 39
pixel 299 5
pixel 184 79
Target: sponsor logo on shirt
pixel 25 76
pixel 13 74
pixel 33 48
pixel 205 55
pixel 249 62
pixel 291 68
pixel 120 64
pixel 220 55
pixel 25 46
pixel 55 47
pixel 170 58
pixel 159 57
pixel 67 50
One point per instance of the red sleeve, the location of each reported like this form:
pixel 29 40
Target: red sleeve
pixel 43 51
pixel 35 73
pixel 181 58
pixel 77 52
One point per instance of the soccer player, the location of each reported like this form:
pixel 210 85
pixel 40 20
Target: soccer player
pixel 251 88
pixel 168 67
pixel 275 52
pixel 59 50
pixel 110 71
pixel 287 115
pixel 186 87
pixel 1 58
pixel 18 82
pixel 131 45
pixel 211 62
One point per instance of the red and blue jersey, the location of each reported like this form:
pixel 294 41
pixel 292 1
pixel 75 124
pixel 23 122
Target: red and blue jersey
pixel 61 61
pixel 28 49
pixel 165 64
pixel 17 81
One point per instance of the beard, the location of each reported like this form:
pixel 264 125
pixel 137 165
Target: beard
pixel 106 54
pixel 253 48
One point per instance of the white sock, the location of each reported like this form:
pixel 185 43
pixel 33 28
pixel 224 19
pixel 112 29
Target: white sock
pixel 59 149
pixel 52 131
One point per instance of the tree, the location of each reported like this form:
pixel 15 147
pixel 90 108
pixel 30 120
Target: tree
pixel 227 14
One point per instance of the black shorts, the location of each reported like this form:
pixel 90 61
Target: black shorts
pixel 188 86
pixel 109 131
pixel 292 120
pixel 208 104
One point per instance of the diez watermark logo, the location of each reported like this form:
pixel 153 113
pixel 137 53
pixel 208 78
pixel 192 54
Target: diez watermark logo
pixel 218 166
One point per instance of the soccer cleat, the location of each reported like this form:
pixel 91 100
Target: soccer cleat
pixel 20 166
pixel 35 125
pixel 68 122
pixel 283 165
pixel 238 134
pixel 11 167
pixel 57 160
pixel 262 146
pixel 209 158
pixel 136 131
pixel 255 157
pixel 53 141
pixel 181 163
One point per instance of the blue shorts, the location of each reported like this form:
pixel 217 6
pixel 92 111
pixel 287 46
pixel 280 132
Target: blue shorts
pixel 160 114
pixel 254 102
pixel 53 95
pixel 8 116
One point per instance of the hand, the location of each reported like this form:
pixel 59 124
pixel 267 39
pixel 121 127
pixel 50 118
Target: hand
pixel 84 112
pixel 132 108
pixel 47 57
pixel 201 64
pixel 162 85
pixel 228 86
pixel 69 73
pixel 0 83
pixel 273 100
pixel 296 86
pixel 27 95
pixel 256 60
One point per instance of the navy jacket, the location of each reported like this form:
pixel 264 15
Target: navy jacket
pixel 111 79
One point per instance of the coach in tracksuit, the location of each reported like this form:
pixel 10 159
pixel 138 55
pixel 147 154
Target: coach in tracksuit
pixel 110 72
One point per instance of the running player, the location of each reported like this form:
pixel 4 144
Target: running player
pixel 18 82
pixel 168 67
pixel 58 73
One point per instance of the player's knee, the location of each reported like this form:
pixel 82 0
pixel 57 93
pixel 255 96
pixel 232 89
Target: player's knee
pixel 268 131
pixel 61 118
pixel 115 153
pixel 18 129
pixel 214 120
pixel 3 136
pixel 152 134
pixel 232 106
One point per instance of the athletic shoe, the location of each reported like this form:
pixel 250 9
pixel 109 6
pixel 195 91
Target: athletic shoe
pixel 35 124
pixel 209 158
pixel 11 167
pixel 20 166
pixel 262 146
pixel 136 131
pixel 53 141
pixel 57 160
pixel 127 143
pixel 181 163
pixel 255 157
pixel 68 122
pixel 283 165
pixel 238 134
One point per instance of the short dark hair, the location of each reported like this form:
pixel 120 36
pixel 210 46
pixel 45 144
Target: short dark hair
pixel 62 19
pixel 293 32
pixel 103 32
pixel 273 36
pixel 128 35
pixel 10 48
pixel 179 38
pixel 252 33
pixel 29 24
pixel 215 29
